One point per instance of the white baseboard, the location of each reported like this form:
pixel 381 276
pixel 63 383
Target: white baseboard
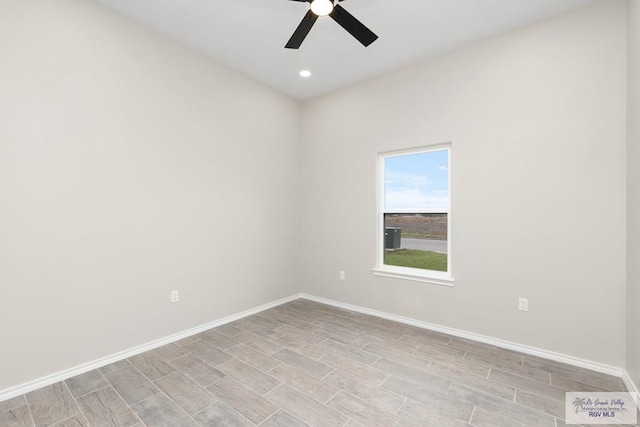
pixel 86 367
pixel 632 387
pixel 533 351
pixel 90 366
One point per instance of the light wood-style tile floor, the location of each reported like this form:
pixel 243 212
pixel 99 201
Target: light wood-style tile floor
pixel 309 364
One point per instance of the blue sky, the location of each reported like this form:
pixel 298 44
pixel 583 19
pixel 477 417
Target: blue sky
pixel 417 181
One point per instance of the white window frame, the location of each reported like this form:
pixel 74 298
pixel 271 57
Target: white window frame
pixel 408 273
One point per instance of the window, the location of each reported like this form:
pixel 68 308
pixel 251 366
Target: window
pixel 414 215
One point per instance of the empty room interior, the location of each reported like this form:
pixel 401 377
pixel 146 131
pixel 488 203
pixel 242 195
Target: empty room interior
pixel 262 213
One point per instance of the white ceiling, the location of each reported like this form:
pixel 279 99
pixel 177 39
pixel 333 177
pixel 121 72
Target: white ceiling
pixel 249 35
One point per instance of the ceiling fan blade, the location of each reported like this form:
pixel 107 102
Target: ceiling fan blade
pixel 301 32
pixel 356 28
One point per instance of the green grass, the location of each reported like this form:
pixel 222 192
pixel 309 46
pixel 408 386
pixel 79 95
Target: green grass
pixel 416 259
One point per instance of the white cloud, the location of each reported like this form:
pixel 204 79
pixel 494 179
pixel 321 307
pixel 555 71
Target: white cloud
pixel 406 179
pixel 415 198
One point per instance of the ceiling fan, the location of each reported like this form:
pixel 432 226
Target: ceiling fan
pixel 335 11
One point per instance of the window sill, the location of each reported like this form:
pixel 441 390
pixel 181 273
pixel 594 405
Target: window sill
pixel 411 274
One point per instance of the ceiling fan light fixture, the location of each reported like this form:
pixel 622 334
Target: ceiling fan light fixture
pixel 336 12
pixel 322 7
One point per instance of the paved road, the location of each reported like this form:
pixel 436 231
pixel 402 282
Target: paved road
pixel 424 244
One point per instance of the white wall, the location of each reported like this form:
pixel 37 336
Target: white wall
pixel 537 123
pixel 633 182
pixel 130 166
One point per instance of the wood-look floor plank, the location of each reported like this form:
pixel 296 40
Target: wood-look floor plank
pixel 319 390
pixel 86 383
pixel 131 384
pixel 188 340
pixel 170 351
pixel 439 412
pixel 501 407
pixel 384 329
pixel 521 371
pixel 222 415
pixel 432 382
pixel 253 357
pixel 378 398
pixel 465 365
pixel 105 408
pixel 160 411
pixel 321 308
pixel 283 419
pixel 258 343
pixel 51 404
pixel 366 373
pixel 326 325
pixel 598 379
pixel 285 319
pixel 18 416
pixel 197 369
pixel 426 337
pixel 302 362
pixel 305 408
pixel 309 350
pixel 469 345
pixel 363 412
pixel 330 317
pixel 229 330
pixel 552 367
pixel 77 421
pixel 567 384
pixel 400 357
pixel 486 418
pixel 151 365
pixel 402 347
pixel 114 366
pixel 343 338
pixel 13 403
pixel 299 334
pixel 528 384
pixel 439 352
pixel 217 340
pixel 191 397
pixel 249 376
pixel 249 326
pixel 247 402
pixel 265 322
pixel 563 423
pixel 540 403
pixel 505 391
pixel 341 350
pixel 299 313
pixel 208 352
pixel 488 360
pixel 423 393
pixel 270 334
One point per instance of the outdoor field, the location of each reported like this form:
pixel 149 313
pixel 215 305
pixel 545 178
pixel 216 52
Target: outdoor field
pixel 430 227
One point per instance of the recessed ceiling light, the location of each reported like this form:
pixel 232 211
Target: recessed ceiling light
pixel 305 73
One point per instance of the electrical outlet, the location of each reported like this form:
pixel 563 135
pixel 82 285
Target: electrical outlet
pixel 342 275
pixel 523 304
pixel 175 296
